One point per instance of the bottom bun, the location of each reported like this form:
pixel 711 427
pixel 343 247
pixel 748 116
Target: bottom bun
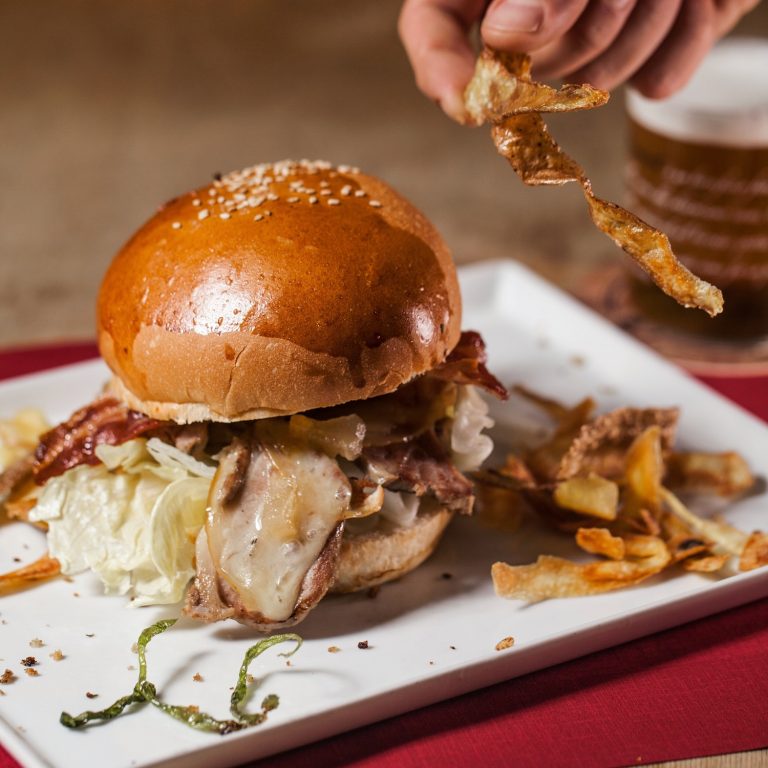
pixel 386 553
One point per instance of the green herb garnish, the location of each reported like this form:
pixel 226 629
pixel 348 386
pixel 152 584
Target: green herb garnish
pixel 146 692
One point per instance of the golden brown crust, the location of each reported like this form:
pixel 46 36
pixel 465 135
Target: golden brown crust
pixel 384 554
pixel 207 310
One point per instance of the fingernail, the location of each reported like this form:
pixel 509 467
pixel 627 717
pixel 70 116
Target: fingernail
pixel 516 16
pixel 452 104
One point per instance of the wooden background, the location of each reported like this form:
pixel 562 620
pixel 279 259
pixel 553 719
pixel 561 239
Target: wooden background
pixel 108 108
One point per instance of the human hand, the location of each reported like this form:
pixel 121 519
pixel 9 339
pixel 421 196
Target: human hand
pixel 655 44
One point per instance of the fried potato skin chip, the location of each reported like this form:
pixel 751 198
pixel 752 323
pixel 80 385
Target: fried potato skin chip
pixel 600 541
pixel 45 567
pixel 593 495
pixel 551 577
pixel 502 93
pixel 502 87
pixel 755 552
pixel 725 474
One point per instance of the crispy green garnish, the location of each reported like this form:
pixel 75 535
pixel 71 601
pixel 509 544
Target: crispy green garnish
pixel 146 692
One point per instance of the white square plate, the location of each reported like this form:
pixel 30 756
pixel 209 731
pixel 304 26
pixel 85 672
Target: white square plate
pixel 429 637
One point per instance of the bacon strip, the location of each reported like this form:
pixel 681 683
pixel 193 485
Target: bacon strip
pixel 73 442
pixel 420 466
pixel 466 365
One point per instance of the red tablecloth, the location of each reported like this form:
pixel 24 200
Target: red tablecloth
pixel 700 689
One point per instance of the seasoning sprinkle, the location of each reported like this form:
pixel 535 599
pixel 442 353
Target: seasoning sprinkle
pixel 7 677
pixel 176 225
pixel 374 203
pixel 333 201
pixel 224 216
pixel 204 214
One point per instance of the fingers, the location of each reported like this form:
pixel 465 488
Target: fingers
pixel 528 25
pixel 435 36
pixel 641 36
pixel 672 65
pixel 728 12
pixel 591 35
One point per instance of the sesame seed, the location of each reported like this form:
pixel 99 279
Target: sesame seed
pixel 203 214
pixel 374 203
pixel 223 215
pixel 267 213
pixel 313 199
pixel 359 193
pixel 272 196
pixel 346 190
pixel 196 201
pixel 176 225
pixel 220 199
pixel 333 201
pixel 293 199
pixel 326 192
pixel 258 217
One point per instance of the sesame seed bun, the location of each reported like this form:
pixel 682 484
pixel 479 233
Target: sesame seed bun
pixel 275 290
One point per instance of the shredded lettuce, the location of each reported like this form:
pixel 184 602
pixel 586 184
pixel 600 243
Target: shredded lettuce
pixel 132 519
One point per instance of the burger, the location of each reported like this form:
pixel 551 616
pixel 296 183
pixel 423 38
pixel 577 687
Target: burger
pixel 292 403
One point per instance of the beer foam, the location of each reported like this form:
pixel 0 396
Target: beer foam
pixel 725 102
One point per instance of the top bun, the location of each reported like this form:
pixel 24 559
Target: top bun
pixel 274 290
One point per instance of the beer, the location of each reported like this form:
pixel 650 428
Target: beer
pixel 698 170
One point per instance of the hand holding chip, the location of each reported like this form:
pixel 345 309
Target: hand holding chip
pixel 656 44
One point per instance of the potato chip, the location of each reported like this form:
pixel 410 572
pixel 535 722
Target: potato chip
pixel 516 469
pixel 705 563
pixel 502 87
pixel 567 417
pixel 593 495
pixel 551 577
pixel 683 545
pixel 600 541
pixel 643 473
pixel 731 539
pixel 502 93
pixel 755 552
pixel 653 253
pixel 724 474
pixel 45 567
pixel 601 446
pixel 534 155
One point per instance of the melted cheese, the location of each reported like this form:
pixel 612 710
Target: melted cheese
pixel 265 540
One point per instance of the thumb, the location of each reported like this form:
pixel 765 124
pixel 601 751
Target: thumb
pixel 527 25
